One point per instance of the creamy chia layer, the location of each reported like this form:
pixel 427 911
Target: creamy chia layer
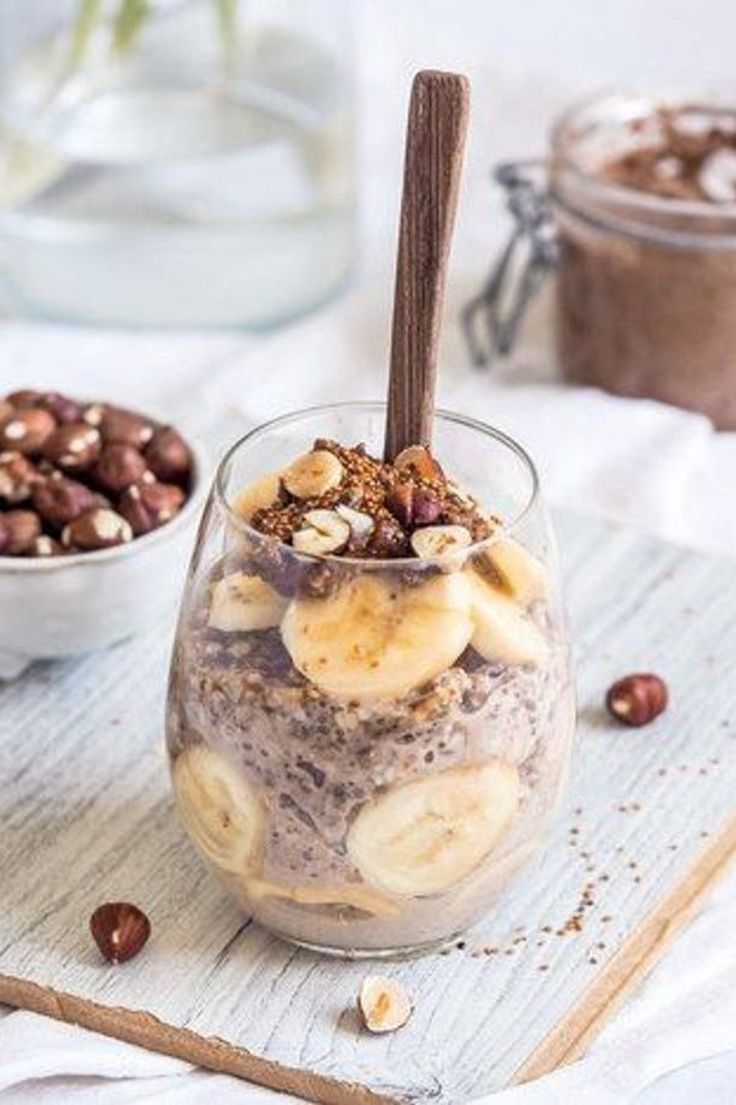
pixel 367 761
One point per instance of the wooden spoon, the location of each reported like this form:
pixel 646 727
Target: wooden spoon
pixel 435 140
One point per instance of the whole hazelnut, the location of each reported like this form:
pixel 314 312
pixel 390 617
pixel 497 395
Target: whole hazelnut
pixel 388 540
pixel 118 467
pixel 22 527
pixel 60 500
pixel 400 502
pixel 27 430
pixel 120 930
pixel 637 699
pixel 123 427
pixel 46 546
pixel 149 505
pixel 426 507
pixel 63 408
pixel 168 456
pixel 24 398
pixel 99 528
pixel 73 447
pixel 17 476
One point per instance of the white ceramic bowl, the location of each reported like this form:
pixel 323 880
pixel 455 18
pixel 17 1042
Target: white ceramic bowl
pixel 67 605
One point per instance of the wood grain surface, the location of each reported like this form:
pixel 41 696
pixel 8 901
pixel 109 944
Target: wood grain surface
pixel 648 824
pixel 435 141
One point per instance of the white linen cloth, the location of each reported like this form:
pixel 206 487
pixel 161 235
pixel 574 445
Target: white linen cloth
pixel 661 469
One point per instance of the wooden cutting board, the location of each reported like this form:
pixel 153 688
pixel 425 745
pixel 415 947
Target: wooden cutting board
pixel 650 821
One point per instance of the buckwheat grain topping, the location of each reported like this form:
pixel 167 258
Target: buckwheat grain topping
pixel 339 500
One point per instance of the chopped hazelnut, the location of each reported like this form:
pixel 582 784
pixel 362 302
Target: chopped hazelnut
pixel 383 1004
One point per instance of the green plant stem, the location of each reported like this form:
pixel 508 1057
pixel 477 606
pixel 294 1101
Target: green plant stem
pixel 87 19
pixel 130 19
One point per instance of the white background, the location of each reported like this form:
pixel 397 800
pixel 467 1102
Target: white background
pixel 662 470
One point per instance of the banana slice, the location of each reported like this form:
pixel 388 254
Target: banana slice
pixel 243 602
pixel 220 810
pixel 503 633
pixel 257 496
pixel 366 898
pixel 523 576
pixel 375 639
pixel 424 836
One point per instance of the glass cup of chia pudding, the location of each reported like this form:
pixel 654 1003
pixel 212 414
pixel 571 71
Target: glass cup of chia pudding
pixel 371 707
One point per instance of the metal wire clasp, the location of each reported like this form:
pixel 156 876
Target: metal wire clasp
pixel 491 320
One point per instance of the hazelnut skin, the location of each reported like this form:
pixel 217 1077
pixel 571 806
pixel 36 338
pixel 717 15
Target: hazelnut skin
pixel 46 546
pixel 637 699
pixel 17 476
pixel 149 505
pixel 60 500
pixel 63 408
pixel 26 431
pixel 24 398
pixel 73 447
pixel 400 502
pixel 168 456
pixel 118 467
pixel 22 527
pixel 99 528
pixel 121 427
pixel 119 930
pixel 426 507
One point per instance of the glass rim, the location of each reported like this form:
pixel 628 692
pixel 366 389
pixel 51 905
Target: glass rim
pixel 633 198
pixel 290 417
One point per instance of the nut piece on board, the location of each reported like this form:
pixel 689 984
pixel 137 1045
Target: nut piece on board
pixel 99 528
pixel 637 699
pixel 120 930
pixel 383 1004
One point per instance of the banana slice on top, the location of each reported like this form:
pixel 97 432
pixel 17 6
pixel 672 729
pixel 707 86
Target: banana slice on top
pixel 257 496
pixel 220 809
pixel 520 572
pixel 422 837
pixel 377 639
pixel 244 602
pixel 503 632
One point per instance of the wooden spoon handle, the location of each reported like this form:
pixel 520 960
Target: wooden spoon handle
pixel 435 139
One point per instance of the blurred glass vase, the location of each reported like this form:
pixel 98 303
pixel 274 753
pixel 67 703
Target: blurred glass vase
pixel 175 162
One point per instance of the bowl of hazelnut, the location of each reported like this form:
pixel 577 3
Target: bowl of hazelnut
pixel 97 509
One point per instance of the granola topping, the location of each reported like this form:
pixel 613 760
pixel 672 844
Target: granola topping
pixel 383 504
